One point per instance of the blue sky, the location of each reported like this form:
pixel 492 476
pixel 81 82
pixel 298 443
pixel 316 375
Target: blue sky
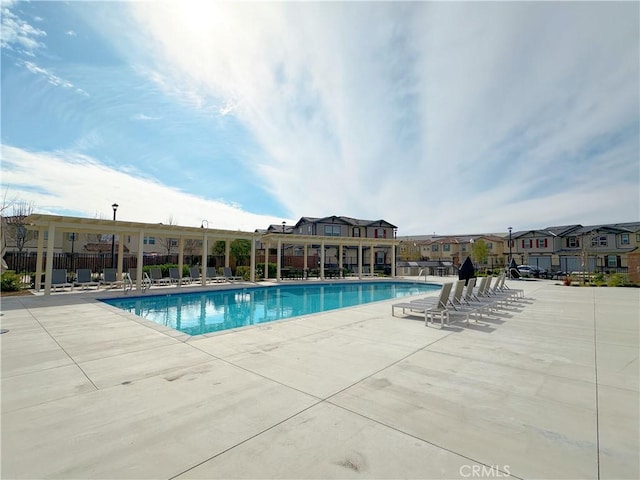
pixel 438 117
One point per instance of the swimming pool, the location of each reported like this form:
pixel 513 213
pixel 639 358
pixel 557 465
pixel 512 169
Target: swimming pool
pixel 197 313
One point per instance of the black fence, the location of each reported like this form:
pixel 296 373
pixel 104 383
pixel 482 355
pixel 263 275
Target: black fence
pixel 25 262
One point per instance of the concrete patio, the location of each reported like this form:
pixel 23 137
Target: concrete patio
pixel 545 390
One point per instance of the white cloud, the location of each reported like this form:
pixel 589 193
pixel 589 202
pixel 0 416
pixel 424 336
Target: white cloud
pixel 79 185
pixel 52 78
pixel 143 117
pixel 16 32
pixel 454 117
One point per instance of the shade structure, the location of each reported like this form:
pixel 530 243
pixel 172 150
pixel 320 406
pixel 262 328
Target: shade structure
pixel 466 271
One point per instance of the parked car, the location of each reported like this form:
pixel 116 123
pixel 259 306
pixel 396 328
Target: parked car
pixel 532 271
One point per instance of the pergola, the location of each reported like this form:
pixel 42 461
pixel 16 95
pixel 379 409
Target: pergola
pixel 55 223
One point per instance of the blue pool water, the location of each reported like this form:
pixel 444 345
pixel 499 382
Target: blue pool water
pixel 205 312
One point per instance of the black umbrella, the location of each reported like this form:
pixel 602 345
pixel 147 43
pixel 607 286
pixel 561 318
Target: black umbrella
pixel 513 269
pixel 466 271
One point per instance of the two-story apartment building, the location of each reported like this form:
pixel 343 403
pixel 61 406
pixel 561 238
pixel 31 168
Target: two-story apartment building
pixel 567 248
pixel 577 248
pixel 341 228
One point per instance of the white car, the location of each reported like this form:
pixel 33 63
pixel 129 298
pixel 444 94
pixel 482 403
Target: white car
pixel 531 271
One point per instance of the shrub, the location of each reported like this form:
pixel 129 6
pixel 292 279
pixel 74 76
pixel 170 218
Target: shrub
pixel 617 280
pixel 244 272
pixel 567 280
pixel 10 282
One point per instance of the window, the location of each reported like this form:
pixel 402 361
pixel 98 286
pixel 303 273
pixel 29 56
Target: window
pixel 638 237
pixel 446 247
pixel 573 242
pixel 490 245
pixel 464 248
pixel 72 237
pixel 612 260
pixel 434 248
pixel 527 243
pixel 624 239
pixel 332 230
pixel 380 233
pixel 380 258
pixel 149 240
pixel 599 241
pixel 356 231
pixel 174 242
pixel 541 243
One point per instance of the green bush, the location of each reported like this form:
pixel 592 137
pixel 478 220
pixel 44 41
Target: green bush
pixel 598 279
pixel 617 280
pixel 260 270
pixel 244 272
pixel 10 282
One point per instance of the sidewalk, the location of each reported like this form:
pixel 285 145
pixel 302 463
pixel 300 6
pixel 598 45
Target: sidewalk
pixel 547 390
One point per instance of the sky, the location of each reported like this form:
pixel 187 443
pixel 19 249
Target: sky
pixel 439 117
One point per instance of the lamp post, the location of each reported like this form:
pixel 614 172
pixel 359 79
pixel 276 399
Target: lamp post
pixel 509 265
pixel 113 238
pixel 395 256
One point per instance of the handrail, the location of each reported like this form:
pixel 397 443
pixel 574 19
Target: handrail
pixel 127 283
pixel 146 282
pixel 421 272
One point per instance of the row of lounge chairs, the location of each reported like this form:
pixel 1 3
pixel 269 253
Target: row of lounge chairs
pixel 459 302
pixel 108 279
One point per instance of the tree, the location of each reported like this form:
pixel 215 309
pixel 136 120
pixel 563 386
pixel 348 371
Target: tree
pixel 19 233
pixel 168 243
pixel 218 248
pixel 241 250
pixel 479 252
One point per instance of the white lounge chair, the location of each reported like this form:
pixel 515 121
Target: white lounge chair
pixel 59 279
pixel 230 276
pixel 157 278
pixel 174 275
pixel 109 278
pixel 212 275
pixel 194 273
pixel 429 309
pixel 84 280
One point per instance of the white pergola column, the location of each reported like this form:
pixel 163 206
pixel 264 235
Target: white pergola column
pixel 180 259
pixel 227 252
pixel 120 255
pixel 278 261
pixel 266 260
pixel 205 248
pixel 305 261
pixel 48 271
pixel 40 251
pixel 371 259
pixel 340 259
pixel 393 260
pixel 252 262
pixel 322 260
pixel 140 260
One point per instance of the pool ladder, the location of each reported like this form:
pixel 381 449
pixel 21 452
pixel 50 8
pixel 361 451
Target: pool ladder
pixel 422 272
pixel 127 282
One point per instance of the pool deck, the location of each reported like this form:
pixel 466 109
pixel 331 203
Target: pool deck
pixel 547 390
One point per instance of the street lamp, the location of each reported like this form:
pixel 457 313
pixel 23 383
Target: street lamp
pixel 509 266
pixel 113 238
